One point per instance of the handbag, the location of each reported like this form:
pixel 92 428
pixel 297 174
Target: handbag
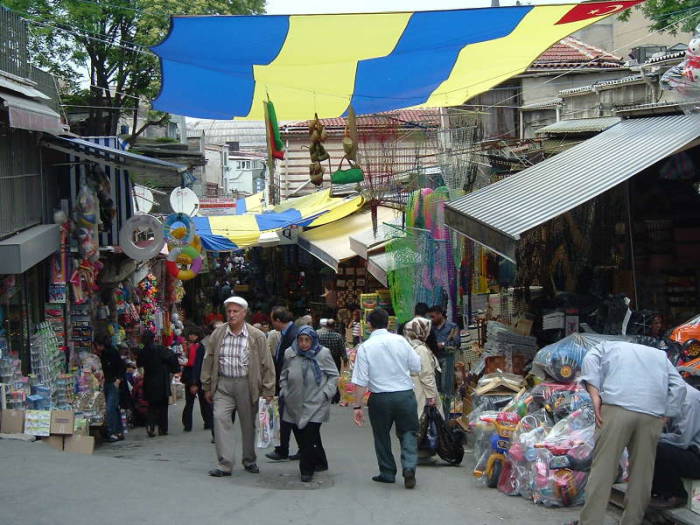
pixel 348 176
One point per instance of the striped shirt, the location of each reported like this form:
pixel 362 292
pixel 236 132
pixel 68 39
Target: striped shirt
pixel 233 354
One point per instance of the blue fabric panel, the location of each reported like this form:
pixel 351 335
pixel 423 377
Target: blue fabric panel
pixel 240 207
pixel 223 76
pixel 201 224
pixel 217 243
pixel 412 71
pixel 275 220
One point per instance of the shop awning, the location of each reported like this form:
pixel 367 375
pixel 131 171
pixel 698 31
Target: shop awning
pixel 20 252
pixel 580 125
pixel 250 204
pixel 365 241
pixel 496 216
pixel 31 115
pixel 378 266
pixel 331 243
pixel 220 67
pixel 106 155
pixel 231 232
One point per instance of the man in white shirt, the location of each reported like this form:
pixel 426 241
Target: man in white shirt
pixel 383 366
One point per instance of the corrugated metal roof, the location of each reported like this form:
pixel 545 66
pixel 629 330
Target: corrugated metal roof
pixel 580 125
pixel 403 118
pixel 497 215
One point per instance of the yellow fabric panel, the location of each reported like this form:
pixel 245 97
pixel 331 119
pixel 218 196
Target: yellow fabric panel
pixel 241 229
pixel 482 66
pixel 334 44
pixel 253 204
pixel 338 210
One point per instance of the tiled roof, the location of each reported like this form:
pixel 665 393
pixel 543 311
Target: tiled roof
pixel 676 55
pixel 570 52
pixel 404 118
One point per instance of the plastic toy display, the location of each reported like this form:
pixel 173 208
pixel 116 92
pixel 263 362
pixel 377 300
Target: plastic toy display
pixel 146 249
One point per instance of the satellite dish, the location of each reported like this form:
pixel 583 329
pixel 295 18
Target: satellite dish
pixel 142 198
pixel 184 200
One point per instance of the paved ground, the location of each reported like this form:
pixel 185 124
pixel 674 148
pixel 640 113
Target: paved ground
pixel 164 481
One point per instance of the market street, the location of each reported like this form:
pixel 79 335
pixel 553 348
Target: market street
pixel 164 481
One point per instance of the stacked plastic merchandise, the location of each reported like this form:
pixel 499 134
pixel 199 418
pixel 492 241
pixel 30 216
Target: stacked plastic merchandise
pixel 89 400
pixel 14 385
pixel 48 365
pixel 539 446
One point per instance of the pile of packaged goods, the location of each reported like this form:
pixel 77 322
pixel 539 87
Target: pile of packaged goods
pixel 48 363
pixel 15 386
pixel 540 444
pixel 89 400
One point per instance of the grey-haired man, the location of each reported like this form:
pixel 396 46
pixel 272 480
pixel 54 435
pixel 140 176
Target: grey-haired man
pixel 237 370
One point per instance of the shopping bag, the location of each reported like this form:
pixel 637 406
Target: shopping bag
pixel 268 415
pixel 449 443
pixel 428 433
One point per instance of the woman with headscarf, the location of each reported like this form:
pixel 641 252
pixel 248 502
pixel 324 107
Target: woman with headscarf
pixel 416 331
pixel 308 383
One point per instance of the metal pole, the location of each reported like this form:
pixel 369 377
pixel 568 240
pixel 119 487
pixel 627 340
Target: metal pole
pixel 631 238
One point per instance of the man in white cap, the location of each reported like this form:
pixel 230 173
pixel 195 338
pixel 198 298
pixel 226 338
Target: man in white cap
pixel 237 370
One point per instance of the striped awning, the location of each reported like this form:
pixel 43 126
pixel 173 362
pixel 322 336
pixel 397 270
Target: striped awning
pixel 231 232
pixel 221 67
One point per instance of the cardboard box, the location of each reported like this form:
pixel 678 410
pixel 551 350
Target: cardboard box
pixel 62 422
pixel 692 487
pixel 81 426
pixel 79 444
pixel 37 423
pixel 54 442
pixel 12 422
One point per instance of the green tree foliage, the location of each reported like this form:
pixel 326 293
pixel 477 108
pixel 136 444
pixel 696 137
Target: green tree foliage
pixel 107 41
pixel 670 16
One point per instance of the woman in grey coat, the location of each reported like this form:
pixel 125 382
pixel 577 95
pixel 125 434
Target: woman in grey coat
pixel 308 384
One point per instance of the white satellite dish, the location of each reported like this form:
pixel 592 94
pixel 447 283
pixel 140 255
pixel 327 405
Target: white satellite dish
pixel 184 200
pixel 142 198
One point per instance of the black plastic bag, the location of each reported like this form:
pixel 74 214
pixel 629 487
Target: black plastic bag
pixel 449 440
pixel 428 433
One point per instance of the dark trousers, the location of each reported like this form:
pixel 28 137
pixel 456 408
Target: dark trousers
pixel 385 410
pixel 113 415
pixel 204 408
pixel 285 433
pixel 312 454
pixel 672 464
pixel 158 416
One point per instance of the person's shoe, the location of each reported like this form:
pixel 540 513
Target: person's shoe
pixel 120 437
pixel 207 427
pixel 151 433
pixel 295 457
pixel 276 456
pixel 218 473
pixel 111 439
pixel 213 440
pixel 306 478
pixel 382 479
pixel 252 469
pixel 187 429
pixel 162 433
pixel 667 503
pixel 409 478
pixel 322 468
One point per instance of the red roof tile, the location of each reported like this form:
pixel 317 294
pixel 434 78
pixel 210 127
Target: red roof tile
pixel 403 118
pixel 570 52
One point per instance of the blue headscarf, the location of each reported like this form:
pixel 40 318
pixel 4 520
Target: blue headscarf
pixel 312 352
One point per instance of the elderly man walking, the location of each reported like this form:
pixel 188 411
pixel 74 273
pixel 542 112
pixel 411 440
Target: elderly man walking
pixel 384 365
pixel 237 370
pixel 633 388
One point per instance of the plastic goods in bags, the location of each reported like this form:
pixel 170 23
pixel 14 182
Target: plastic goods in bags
pixel 268 423
pixel 449 443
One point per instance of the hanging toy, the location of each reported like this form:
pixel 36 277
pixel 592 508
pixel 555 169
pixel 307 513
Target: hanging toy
pixel 274 141
pixel 317 134
pixel 179 230
pixel 685 77
pixel 136 226
pixel 189 255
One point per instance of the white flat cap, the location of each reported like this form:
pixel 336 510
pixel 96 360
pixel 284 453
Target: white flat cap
pixel 237 300
pixel 323 322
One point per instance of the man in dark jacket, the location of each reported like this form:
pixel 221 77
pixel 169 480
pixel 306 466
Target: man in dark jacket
pixel 113 370
pixel 282 321
pixel 191 373
pixel 157 363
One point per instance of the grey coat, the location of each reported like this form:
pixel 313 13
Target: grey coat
pixel 304 400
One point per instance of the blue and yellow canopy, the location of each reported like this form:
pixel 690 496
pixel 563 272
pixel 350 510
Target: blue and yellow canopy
pixel 221 67
pixel 231 232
